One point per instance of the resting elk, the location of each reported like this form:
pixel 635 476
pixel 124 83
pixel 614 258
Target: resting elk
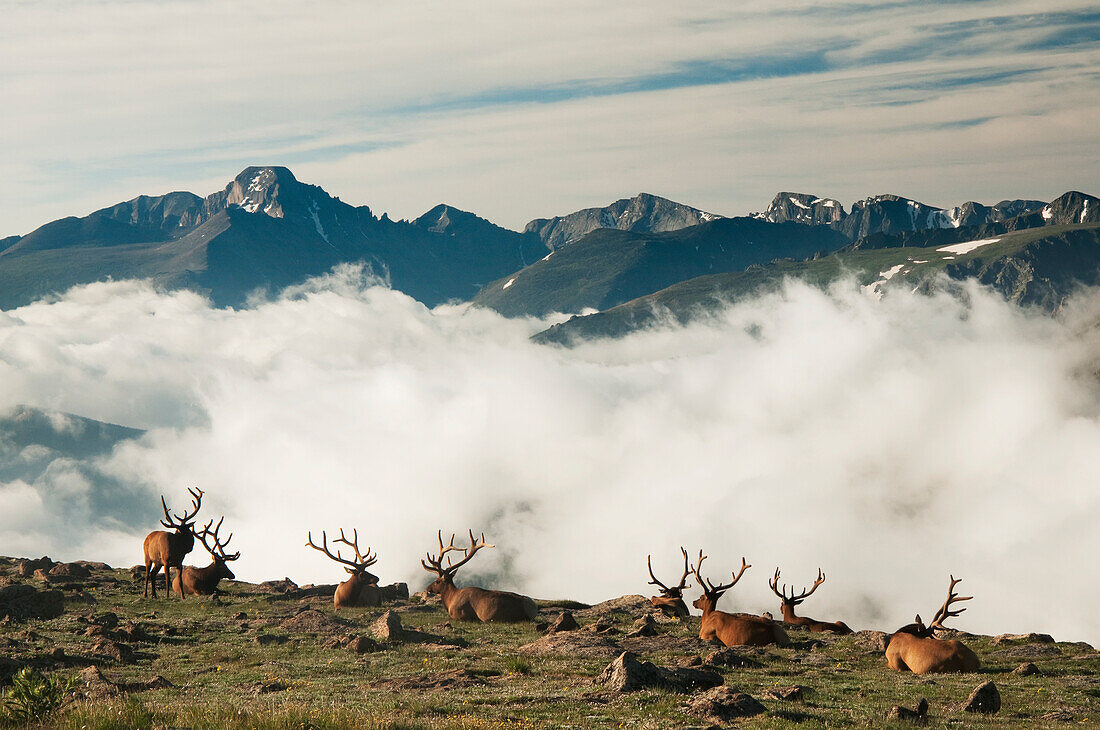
pixel 168 549
pixel 671 600
pixel 914 647
pixel 789 602
pixel 361 589
pixel 470 603
pixel 733 629
pixel 204 581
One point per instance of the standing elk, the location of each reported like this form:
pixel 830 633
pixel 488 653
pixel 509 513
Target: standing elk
pixel 168 549
pixel 914 646
pixel 671 600
pixel 204 581
pixel 471 603
pixel 789 602
pixel 733 629
pixel 361 589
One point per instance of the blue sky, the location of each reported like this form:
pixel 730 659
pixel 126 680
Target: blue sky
pixel 521 110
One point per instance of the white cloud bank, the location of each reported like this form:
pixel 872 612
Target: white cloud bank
pixel 889 442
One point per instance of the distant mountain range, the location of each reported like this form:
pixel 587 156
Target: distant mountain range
pixel 635 261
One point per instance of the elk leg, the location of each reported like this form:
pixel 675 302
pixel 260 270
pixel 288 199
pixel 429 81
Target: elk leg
pixel 146 593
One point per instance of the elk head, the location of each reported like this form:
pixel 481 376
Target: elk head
pixel 671 600
pixel 434 564
pixel 711 593
pixel 218 550
pixel 357 567
pixel 183 525
pixel 919 629
pixel 789 602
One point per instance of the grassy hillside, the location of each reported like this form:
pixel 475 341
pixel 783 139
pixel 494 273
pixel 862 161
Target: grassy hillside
pixel 272 656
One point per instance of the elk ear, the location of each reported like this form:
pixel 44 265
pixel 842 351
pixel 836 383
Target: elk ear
pixel 918 620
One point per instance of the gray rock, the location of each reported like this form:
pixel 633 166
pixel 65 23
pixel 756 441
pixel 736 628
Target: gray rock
pixel 918 715
pixel 1031 638
pixel 788 694
pixel 627 674
pixel 1026 669
pixel 724 704
pixel 645 626
pixel 70 570
pixel 985 699
pixel 729 658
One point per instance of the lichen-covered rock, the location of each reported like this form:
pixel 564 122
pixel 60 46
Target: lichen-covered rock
pixel 26 568
pixel 918 715
pixel 564 622
pixel 627 674
pixel 22 601
pixel 645 626
pixel 388 628
pixel 1026 669
pixel 724 704
pixel 69 570
pixel 788 694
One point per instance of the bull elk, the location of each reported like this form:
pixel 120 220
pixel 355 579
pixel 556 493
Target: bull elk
pixel 204 581
pixel 471 603
pixel 914 647
pixel 361 588
pixel 733 629
pixel 789 602
pixel 168 549
pixel 671 600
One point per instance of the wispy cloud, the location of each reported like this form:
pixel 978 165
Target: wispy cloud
pixel 714 103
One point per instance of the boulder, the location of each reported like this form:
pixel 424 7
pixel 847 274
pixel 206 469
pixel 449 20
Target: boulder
pixel 1026 669
pixel 788 694
pixel 388 628
pixel 28 566
pixel 362 644
pixel 112 649
pixel 395 592
pixel 627 674
pixel 1030 638
pixel 728 657
pixel 70 570
pixel 985 699
pixel 723 704
pixel 632 605
pixel 97 686
pixel 564 622
pixel 22 601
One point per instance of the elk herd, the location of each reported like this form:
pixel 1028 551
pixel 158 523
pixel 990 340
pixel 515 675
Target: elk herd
pixel 913 647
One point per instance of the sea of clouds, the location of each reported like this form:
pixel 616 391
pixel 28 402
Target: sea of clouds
pixel 891 442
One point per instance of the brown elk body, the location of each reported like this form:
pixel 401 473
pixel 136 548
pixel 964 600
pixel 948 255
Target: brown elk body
pixel 472 603
pixel 789 602
pixel 204 581
pixel 733 629
pixel 168 549
pixel 915 648
pixel 361 587
pixel 671 600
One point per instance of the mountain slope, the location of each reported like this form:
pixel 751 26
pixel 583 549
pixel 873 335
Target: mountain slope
pixel 1038 267
pixel 264 230
pixel 644 213
pixel 608 267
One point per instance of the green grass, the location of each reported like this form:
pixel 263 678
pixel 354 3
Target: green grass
pixel 223 678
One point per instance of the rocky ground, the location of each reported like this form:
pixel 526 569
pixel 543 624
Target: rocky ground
pixel 276 655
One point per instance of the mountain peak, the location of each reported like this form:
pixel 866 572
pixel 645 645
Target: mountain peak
pixel 644 213
pixel 802 208
pixel 259 189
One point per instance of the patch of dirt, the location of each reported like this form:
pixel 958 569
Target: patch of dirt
pixel 312 621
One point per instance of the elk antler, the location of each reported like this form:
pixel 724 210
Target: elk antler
pixel 709 588
pixel 180 523
pixel 676 591
pixel 945 613
pixel 361 562
pixel 435 564
pixel 794 600
pixel 218 551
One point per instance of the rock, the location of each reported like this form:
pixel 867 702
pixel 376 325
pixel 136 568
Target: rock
pixel 70 570
pixel 1031 638
pixel 1026 669
pixel 114 650
pixel 22 601
pixel 872 640
pixel 273 686
pixel 724 704
pixel 633 605
pixel 134 632
pixel 564 622
pixel 96 685
pixel 573 644
pixel 58 654
pixel 240 616
pixel 789 694
pixel 917 715
pixel 388 628
pixel 1057 716
pixel 602 625
pixel 645 626
pixel 362 644
pixel 627 674
pixel 271 639
pixel 395 592
pixel 42 575
pixel 26 568
pixel 278 586
pixel 312 621
pixel 108 620
pixel 730 658
pixel 985 699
